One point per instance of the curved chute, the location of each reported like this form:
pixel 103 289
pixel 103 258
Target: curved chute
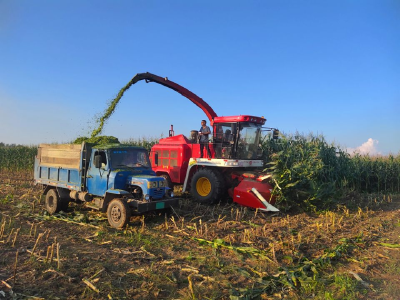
pixel 178 88
pixel 148 77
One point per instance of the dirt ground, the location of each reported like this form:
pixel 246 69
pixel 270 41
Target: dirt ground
pixel 221 251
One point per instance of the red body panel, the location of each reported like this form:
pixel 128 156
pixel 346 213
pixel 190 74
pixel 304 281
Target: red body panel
pixel 241 118
pixel 243 195
pixel 174 154
pixel 173 157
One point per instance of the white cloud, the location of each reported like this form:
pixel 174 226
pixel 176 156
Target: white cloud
pixel 369 147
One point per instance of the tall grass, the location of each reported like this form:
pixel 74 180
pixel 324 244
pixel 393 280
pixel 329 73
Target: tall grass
pixel 310 171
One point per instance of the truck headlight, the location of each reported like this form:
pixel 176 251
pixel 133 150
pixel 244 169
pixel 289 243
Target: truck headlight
pixel 151 184
pixel 162 183
pixel 169 193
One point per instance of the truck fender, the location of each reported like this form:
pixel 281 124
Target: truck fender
pixel 63 193
pixel 46 188
pixel 111 194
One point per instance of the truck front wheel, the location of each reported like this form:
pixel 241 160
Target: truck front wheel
pixel 207 186
pixel 53 202
pixel 118 213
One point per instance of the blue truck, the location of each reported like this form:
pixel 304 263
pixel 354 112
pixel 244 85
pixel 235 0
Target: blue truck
pixel 111 178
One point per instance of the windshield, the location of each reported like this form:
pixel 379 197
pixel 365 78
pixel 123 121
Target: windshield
pixel 225 132
pixel 249 137
pixel 129 158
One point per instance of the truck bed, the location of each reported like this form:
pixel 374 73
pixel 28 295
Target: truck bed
pixel 61 156
pixel 59 165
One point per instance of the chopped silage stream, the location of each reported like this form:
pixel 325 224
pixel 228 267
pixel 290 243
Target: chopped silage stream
pixel 110 109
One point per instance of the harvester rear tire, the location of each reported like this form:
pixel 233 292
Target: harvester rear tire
pixel 53 202
pixel 207 186
pixel 118 213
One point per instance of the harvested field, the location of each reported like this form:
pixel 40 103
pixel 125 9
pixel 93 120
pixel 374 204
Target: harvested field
pixel 198 252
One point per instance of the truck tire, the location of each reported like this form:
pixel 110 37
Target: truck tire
pixel 64 199
pixel 207 186
pixel 53 202
pixel 118 213
pixel 64 203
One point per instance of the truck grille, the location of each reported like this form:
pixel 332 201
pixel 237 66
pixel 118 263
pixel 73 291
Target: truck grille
pixel 157 193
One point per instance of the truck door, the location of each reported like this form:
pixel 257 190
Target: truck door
pixel 97 179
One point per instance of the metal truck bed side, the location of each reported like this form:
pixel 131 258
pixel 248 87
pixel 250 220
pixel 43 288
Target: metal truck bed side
pixel 61 156
pixel 59 165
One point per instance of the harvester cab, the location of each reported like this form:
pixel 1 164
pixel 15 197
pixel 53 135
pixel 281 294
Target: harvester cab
pixel 237 137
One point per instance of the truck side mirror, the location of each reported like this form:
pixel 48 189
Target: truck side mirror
pixel 156 158
pixel 97 161
pixel 275 134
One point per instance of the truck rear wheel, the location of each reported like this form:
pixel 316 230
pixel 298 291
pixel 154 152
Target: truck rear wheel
pixel 64 199
pixel 54 203
pixel 118 213
pixel 207 186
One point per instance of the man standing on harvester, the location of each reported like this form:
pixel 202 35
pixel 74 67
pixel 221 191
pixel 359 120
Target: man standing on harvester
pixel 204 132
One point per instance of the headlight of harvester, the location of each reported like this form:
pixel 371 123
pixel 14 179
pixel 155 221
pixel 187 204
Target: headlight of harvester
pixel 162 183
pixel 151 184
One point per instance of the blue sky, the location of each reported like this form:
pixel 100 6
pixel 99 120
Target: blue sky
pixel 327 67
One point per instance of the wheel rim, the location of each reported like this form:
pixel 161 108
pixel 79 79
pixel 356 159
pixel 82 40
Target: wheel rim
pixel 116 214
pixel 203 186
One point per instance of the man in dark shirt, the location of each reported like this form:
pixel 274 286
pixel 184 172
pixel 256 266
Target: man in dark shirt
pixel 204 132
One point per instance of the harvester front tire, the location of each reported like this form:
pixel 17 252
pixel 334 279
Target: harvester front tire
pixel 207 186
pixel 53 202
pixel 118 213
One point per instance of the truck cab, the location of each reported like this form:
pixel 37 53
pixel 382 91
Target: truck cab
pixel 114 169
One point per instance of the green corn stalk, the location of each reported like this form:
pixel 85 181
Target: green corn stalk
pixel 311 172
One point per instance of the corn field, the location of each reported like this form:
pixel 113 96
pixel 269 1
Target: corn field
pixel 142 142
pixel 17 158
pixel 308 170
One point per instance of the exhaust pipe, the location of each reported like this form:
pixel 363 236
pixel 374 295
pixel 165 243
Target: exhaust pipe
pixel 268 207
